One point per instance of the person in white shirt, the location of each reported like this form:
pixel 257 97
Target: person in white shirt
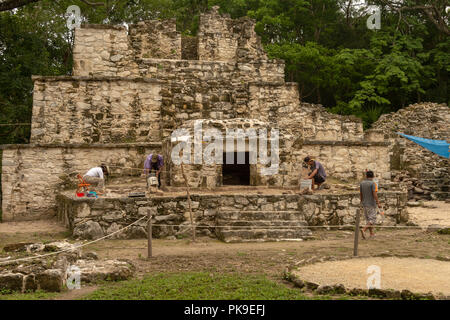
pixel 96 176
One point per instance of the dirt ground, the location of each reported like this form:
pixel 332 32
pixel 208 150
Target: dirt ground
pixel 270 258
pixel 433 212
pixel 210 255
pixel 39 226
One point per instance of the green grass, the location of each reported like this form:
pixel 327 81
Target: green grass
pixel 197 286
pixel 37 295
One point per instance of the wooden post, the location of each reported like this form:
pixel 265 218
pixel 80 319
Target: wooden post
pixel 149 232
pixel 189 201
pixel 355 246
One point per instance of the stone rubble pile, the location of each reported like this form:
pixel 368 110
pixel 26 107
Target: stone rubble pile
pixel 52 272
pixel 425 174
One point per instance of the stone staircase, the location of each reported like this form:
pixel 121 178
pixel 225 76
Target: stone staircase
pixel 259 226
pixel 438 183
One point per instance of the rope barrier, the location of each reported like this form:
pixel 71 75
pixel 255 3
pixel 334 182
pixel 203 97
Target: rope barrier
pixel 288 227
pixel 242 228
pixel 73 248
pixel 14 124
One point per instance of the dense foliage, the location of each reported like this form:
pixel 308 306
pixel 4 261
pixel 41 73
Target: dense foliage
pixel 328 49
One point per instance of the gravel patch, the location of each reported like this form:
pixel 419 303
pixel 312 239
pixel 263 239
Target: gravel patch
pixel 416 275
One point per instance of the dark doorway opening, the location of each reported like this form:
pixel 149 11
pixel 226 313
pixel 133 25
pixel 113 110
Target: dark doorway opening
pixel 236 174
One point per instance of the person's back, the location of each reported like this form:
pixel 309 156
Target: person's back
pixel 95 172
pixel 320 169
pixel 367 187
pixel 96 176
pixel 369 199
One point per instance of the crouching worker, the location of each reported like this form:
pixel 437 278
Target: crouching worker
pixel 369 200
pixel 96 176
pixel 153 165
pixel 317 173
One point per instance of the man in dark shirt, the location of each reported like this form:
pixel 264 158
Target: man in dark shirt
pixel 369 199
pixel 317 174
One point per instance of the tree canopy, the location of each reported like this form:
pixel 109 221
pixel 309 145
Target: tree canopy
pixel 328 49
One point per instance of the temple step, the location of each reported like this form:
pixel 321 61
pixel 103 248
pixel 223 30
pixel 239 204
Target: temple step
pixel 262 235
pixel 260 225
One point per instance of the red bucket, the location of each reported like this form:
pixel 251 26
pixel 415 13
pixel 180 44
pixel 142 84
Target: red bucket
pixel 80 194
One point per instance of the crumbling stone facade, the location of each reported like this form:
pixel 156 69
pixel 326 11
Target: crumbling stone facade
pixel 131 89
pixel 220 215
pixel 425 174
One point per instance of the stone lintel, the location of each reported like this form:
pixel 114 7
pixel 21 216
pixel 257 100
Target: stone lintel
pixel 102 26
pixel 347 143
pixel 94 78
pixel 80 145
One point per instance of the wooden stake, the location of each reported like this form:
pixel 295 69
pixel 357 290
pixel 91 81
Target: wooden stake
pixel 189 201
pixel 149 231
pixel 355 246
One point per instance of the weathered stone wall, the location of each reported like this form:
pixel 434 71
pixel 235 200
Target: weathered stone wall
pixel 341 159
pixel 155 39
pixel 112 214
pixel 425 174
pixel 212 71
pixel 102 51
pixel 221 38
pixel 134 109
pixel 95 110
pixel 32 175
pixel 279 103
pixel 189 48
pixel 210 175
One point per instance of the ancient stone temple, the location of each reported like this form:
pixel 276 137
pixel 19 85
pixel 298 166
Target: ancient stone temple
pixel 132 89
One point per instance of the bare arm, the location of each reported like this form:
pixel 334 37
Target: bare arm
pixel 313 174
pixel 375 195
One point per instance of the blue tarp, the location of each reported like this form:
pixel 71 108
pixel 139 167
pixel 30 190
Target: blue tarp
pixel 440 147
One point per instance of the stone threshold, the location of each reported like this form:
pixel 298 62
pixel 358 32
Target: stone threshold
pixel 143 79
pixel 71 196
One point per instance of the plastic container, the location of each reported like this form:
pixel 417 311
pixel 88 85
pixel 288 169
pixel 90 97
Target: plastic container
pixel 80 194
pixel 306 183
pixel 92 194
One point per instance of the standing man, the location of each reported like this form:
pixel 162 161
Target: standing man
pixel 96 176
pixel 369 199
pixel 317 174
pixel 153 163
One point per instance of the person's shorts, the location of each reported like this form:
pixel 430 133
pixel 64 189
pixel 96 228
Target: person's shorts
pixel 370 213
pixel 318 179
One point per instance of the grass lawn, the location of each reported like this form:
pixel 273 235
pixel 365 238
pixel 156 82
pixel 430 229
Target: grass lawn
pixel 37 295
pixel 197 286
pixel 187 286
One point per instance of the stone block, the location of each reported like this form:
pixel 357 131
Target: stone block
pixel 50 280
pixel 11 281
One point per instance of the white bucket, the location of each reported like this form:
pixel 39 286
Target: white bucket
pixel 305 184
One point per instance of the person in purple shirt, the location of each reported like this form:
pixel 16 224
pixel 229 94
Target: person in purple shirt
pixel 317 174
pixel 154 163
